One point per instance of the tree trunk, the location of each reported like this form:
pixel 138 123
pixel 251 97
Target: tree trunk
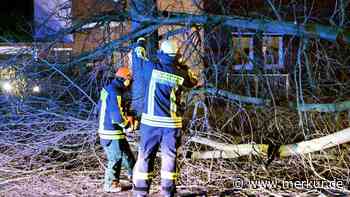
pixel 225 150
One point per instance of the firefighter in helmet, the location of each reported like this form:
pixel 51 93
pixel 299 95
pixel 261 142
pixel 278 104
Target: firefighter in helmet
pixel 160 120
pixel 112 125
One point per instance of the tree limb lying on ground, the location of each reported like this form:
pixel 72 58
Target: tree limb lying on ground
pixel 234 151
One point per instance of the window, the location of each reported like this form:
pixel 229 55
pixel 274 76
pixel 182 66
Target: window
pixel 272 53
pixel 243 53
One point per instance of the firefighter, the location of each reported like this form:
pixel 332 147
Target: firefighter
pixel 112 126
pixel 160 120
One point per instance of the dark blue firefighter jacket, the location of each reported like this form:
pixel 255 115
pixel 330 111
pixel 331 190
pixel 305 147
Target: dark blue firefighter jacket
pixel 164 81
pixel 111 116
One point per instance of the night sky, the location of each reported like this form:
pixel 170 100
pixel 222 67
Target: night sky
pixel 16 19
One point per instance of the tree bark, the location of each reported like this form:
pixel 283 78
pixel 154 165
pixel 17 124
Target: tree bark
pixel 311 30
pixel 225 150
pixel 327 107
pixel 151 24
pixel 232 97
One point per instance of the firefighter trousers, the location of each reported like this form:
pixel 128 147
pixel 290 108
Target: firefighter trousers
pixel 118 152
pixel 151 138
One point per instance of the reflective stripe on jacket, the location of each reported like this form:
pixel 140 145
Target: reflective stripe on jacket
pixel 111 117
pixel 163 81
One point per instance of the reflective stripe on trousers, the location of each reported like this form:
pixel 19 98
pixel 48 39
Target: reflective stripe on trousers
pixel 151 138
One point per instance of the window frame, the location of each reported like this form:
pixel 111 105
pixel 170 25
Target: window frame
pixel 250 65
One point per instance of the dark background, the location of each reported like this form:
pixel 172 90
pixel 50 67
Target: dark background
pixel 16 20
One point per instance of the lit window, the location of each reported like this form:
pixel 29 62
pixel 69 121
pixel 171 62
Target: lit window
pixel 243 52
pixel 271 51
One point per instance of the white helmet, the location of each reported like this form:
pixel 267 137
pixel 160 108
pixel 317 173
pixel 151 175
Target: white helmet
pixel 169 47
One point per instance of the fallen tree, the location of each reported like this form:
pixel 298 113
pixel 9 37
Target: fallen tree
pixel 212 91
pixel 312 30
pixel 234 151
pixel 150 24
pixel 325 107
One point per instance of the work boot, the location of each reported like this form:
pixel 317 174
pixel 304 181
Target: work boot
pixel 115 187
